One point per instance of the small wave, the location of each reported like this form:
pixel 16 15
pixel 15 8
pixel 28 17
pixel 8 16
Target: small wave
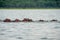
pixel 44 38
pixel 2 34
pixel 57 27
pixel 19 37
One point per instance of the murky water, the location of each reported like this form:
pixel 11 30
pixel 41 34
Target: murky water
pixel 30 31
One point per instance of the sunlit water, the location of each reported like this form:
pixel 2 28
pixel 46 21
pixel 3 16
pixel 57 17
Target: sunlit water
pixel 30 31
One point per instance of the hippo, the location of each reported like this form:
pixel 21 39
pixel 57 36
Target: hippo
pixel 17 20
pixel 7 20
pixel 27 20
pixel 54 20
pixel 41 20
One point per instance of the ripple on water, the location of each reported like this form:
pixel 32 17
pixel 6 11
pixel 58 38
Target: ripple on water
pixel 19 37
pixel 44 38
pixel 3 30
pixel 9 31
pixel 2 34
pixel 57 27
pixel 47 38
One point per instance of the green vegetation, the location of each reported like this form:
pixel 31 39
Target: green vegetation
pixel 29 3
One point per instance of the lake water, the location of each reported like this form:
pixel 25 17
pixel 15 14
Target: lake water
pixel 30 30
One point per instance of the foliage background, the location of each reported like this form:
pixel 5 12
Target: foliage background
pixel 29 3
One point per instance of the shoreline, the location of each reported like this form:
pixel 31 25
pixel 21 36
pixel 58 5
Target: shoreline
pixel 29 8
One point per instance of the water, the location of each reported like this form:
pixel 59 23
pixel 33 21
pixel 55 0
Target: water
pixel 30 31
pixel 35 14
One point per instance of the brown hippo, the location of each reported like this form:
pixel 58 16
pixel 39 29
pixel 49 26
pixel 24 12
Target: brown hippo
pixel 27 20
pixel 7 20
pixel 17 20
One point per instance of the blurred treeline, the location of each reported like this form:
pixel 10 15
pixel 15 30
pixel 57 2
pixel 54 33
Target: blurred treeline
pixel 29 3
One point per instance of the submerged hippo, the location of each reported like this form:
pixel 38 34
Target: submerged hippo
pixel 17 20
pixel 7 20
pixel 43 21
pixel 54 20
pixel 27 20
